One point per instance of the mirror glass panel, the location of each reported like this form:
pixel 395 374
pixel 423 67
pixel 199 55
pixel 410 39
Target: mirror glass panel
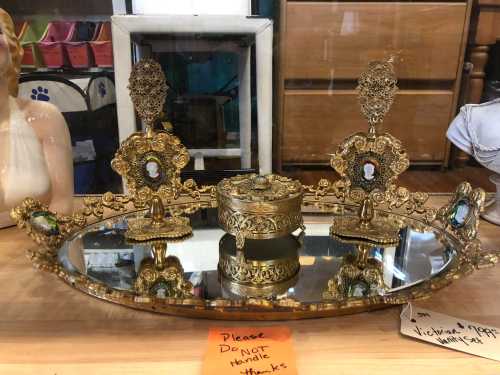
pixel 101 252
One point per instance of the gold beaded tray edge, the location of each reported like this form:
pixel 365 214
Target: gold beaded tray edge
pixel 368 165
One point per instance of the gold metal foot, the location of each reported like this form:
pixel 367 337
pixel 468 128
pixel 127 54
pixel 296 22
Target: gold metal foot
pixel 156 226
pixel 381 231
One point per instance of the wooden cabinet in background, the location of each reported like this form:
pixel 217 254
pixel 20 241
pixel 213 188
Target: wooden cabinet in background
pixel 324 47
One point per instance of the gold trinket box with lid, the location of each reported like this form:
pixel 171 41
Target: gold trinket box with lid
pixel 259 207
pixel 261 210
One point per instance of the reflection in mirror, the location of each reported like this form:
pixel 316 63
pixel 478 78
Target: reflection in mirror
pixel 359 276
pixel 162 276
pixel 102 253
pixel 262 268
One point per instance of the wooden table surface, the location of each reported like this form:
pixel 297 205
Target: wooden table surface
pixel 48 328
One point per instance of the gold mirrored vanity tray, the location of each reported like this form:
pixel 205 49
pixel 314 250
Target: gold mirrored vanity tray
pixel 333 277
pixel 260 247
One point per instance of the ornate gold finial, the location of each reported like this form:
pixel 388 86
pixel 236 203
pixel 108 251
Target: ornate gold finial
pixel 377 87
pixel 148 91
pixel 156 226
pixel 162 276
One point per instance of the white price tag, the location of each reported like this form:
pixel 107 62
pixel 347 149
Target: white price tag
pixel 450 332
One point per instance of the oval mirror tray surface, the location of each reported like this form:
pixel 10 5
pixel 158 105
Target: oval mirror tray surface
pixel 334 278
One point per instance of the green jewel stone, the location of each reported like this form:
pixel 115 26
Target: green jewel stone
pixel 44 222
pixel 460 213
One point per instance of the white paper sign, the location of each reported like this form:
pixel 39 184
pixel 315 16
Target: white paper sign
pixel 450 332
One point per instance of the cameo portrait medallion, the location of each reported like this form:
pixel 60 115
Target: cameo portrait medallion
pixel 369 170
pixel 152 169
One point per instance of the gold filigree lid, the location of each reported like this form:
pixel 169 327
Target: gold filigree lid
pixel 256 188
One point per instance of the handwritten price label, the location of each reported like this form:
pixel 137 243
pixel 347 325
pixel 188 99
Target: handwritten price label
pixel 450 332
pixel 249 351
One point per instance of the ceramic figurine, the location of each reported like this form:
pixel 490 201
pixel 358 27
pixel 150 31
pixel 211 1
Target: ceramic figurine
pixel 35 147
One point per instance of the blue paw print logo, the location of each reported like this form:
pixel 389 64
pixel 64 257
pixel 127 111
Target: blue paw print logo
pixel 40 93
pixel 102 89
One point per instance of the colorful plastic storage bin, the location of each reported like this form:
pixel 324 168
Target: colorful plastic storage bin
pixel 52 44
pixel 30 36
pixel 77 48
pixel 102 47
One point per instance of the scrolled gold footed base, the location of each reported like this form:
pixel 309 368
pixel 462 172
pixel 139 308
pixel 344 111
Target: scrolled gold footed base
pixel 365 227
pixel 157 226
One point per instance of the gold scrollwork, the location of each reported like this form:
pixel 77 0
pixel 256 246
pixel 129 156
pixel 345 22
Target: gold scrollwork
pixel 258 273
pixel 259 207
pixel 261 225
pixel 265 206
pixel 156 226
pixel 369 164
pixel 48 229
pixel 151 164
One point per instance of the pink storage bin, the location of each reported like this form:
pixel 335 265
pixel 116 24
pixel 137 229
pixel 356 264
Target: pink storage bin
pixel 78 50
pixel 52 44
pixel 102 47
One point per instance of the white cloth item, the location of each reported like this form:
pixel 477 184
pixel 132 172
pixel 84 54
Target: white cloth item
pixel 476 130
pixel 27 174
pixel 458 133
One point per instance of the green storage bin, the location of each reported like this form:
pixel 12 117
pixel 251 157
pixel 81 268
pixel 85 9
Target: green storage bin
pixel 33 33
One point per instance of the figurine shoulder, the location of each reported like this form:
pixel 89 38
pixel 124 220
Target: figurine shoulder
pixel 45 117
pixel 38 109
